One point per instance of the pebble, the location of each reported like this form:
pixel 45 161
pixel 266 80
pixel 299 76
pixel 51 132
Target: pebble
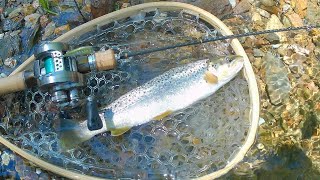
pixel 16 12
pixel 62 29
pixel 48 31
pixel 275 23
pixel 256 17
pixel 295 20
pixel 10 25
pixel 286 8
pixel 31 20
pixel 268 3
pixel 257 52
pixel 44 21
pixel 10 62
pixel 28 9
pixel 263 13
pixel 38 171
pixel 3 75
pixel 298 49
pixel 300 7
pixel 35 4
pixel 273 38
pixel 241 7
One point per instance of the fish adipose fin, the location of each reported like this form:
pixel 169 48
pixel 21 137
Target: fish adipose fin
pixel 163 115
pixel 210 78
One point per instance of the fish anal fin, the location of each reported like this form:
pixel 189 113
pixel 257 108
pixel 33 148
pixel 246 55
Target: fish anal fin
pixel 210 78
pixel 163 115
pixel 119 131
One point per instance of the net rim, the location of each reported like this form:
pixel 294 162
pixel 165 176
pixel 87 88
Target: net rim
pixel 127 12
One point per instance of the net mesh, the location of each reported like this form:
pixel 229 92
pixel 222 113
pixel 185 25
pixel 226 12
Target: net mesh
pixel 191 142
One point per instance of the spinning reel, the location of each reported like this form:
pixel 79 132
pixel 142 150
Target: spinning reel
pixel 60 71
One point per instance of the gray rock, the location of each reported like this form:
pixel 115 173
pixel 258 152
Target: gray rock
pixel 268 3
pixel 2 3
pixel 276 78
pixel 31 20
pixel 10 62
pixel 273 38
pixel 9 46
pixel 10 25
pixel 258 53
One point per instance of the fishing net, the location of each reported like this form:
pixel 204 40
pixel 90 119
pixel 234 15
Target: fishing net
pixel 189 143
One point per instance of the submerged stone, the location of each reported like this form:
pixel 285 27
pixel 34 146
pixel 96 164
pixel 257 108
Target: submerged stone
pixel 10 25
pixel 276 77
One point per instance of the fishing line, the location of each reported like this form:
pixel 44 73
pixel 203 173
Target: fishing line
pixel 219 38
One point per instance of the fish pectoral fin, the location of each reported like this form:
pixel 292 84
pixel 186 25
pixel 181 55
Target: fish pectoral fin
pixel 210 78
pixel 163 115
pixel 119 131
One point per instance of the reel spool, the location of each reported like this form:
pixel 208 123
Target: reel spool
pixel 58 74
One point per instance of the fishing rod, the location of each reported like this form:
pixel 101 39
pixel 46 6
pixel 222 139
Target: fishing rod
pixel 60 70
pixel 219 38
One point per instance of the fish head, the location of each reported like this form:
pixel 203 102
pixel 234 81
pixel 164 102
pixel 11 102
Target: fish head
pixel 226 67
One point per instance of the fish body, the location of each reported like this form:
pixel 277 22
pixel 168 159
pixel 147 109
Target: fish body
pixel 173 90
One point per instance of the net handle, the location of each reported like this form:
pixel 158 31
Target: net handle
pixel 127 12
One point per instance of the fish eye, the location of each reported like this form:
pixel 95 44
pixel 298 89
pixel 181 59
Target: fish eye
pixel 228 59
pixel 215 66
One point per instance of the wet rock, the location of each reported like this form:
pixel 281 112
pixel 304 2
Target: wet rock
pixel 276 76
pixel 298 49
pixel 62 29
pixel 242 7
pixel 268 3
pixel 295 20
pixel 10 62
pixel 275 23
pixel 286 8
pixel 286 22
pixel 300 7
pixel 28 37
pixel 31 20
pixel 3 75
pixel 256 17
pixel 258 53
pixel 263 13
pixel 9 46
pixel 15 13
pixel 67 17
pixel 35 4
pixel 272 10
pixel 273 38
pixel 101 7
pixel 48 30
pixel 313 12
pixel 10 25
pixel 28 9
pixel 44 21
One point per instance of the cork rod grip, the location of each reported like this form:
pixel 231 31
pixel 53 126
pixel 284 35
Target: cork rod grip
pixel 105 60
pixel 12 83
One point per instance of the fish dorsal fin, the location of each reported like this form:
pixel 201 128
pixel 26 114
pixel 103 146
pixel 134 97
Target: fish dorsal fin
pixel 163 115
pixel 119 131
pixel 210 77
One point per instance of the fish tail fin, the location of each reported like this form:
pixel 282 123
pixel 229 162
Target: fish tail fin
pixel 72 133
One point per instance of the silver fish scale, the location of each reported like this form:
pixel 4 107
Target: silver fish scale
pixel 189 143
